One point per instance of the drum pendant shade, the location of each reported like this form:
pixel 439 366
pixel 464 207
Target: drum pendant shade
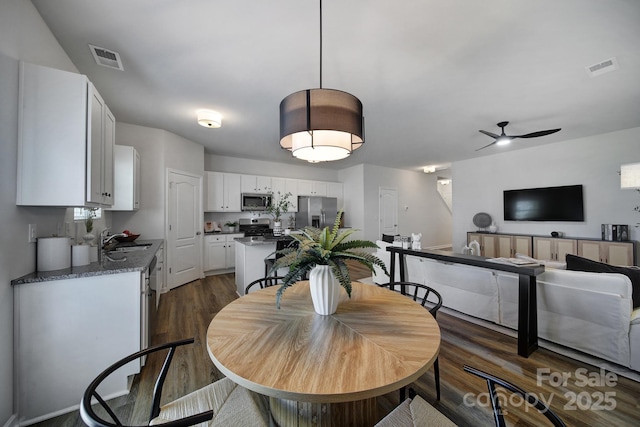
pixel 319 125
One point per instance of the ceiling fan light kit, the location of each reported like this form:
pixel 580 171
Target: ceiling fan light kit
pixel 321 125
pixel 504 139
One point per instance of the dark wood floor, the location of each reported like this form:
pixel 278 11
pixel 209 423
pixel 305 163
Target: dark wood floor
pixel 187 311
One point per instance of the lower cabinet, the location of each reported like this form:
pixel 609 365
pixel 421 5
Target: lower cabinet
pixel 493 245
pixel 553 249
pixel 614 253
pixel 66 333
pixel 220 251
pixel 501 245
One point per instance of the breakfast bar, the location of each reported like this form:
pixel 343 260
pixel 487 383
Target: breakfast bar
pixel 527 303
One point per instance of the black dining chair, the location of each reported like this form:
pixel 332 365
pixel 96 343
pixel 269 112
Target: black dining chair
pixel 223 400
pixel 263 282
pixel 493 381
pixel 270 260
pixel 430 299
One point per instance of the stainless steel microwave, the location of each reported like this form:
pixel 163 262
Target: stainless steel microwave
pixel 255 202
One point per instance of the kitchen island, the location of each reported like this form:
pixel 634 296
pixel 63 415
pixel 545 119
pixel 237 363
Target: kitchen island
pixel 71 324
pixel 250 255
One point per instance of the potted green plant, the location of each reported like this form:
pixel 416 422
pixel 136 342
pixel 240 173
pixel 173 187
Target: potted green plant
pixel 231 226
pixel 90 214
pixel 322 254
pixel 279 205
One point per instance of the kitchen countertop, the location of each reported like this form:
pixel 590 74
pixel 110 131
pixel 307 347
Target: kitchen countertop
pixel 135 261
pixel 260 240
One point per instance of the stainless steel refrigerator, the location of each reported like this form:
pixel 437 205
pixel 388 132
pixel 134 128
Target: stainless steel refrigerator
pixel 316 212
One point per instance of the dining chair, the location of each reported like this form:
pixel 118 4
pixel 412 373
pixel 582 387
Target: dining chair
pixel 263 282
pixel 270 260
pixel 531 398
pixel 415 412
pixel 221 403
pixel 430 299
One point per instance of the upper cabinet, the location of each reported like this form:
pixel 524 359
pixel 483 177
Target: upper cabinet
pixel 284 186
pixel 66 136
pixel 126 179
pixel 312 188
pixel 255 184
pixel 223 192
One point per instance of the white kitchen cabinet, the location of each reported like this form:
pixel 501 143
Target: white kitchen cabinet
pixel 66 332
pixel 255 184
pixel 284 186
pixel 126 179
pixel 312 188
pixel 223 192
pixel 66 135
pixel 220 251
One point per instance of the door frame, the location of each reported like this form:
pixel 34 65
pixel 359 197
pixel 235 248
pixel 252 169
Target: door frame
pixel 168 283
pixel 380 192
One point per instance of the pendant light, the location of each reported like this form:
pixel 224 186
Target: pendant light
pixel 321 125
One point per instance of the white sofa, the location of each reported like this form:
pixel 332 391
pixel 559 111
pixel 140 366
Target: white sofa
pixel 589 312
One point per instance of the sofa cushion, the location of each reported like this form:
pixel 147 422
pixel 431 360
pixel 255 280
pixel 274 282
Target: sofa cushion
pixel 577 263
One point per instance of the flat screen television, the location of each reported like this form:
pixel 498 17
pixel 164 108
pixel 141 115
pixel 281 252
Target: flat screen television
pixel 563 203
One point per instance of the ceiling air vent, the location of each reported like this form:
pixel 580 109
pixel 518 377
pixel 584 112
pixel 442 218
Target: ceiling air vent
pixel 602 67
pixel 106 58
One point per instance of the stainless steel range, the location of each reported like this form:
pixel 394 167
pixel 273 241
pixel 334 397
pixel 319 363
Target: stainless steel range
pixel 255 226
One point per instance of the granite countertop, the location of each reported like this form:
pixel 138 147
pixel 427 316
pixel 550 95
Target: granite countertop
pixel 261 240
pixel 135 261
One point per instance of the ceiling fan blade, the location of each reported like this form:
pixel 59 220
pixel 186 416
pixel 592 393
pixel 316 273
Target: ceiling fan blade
pixel 537 134
pixel 492 135
pixel 489 145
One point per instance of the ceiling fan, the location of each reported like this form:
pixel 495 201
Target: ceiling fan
pixel 503 139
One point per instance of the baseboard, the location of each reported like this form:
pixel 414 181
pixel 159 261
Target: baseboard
pixel 12 421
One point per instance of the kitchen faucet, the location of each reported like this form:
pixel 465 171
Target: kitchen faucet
pixel 104 239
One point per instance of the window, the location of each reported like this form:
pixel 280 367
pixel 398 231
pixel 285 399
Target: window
pixel 80 214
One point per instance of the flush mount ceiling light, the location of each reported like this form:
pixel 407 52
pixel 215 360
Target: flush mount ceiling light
pixel 209 118
pixel 429 169
pixel 321 125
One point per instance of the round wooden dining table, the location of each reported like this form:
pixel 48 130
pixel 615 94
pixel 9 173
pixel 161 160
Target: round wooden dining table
pixel 323 370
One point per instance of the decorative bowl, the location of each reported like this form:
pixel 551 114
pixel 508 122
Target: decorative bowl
pixel 129 238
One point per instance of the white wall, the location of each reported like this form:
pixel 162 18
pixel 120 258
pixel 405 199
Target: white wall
pixel 259 167
pixel 158 150
pixel 593 162
pixel 425 211
pixel 23 36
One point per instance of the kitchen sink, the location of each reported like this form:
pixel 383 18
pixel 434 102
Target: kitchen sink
pixel 131 248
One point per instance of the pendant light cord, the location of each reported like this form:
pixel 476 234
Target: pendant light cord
pixel 320 44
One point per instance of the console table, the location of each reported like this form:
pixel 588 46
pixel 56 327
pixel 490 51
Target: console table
pixel 527 302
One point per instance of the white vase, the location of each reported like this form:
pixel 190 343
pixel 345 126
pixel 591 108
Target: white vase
pixel 88 238
pixel 277 228
pixel 325 289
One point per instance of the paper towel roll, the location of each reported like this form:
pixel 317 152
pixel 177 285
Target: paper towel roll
pixel 80 255
pixel 54 253
pixel 93 254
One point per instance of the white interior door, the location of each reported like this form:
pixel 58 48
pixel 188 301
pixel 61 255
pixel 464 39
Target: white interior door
pixel 388 211
pixel 184 228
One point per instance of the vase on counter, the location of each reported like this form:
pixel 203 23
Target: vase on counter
pixel 277 228
pixel 493 227
pixel 88 238
pixel 325 289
